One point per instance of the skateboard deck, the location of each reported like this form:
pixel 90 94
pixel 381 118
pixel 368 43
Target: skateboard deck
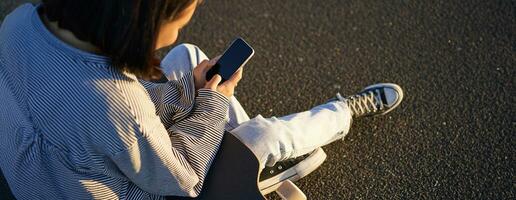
pixel 233 174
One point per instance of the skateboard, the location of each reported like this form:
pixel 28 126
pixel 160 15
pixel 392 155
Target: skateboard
pixel 235 172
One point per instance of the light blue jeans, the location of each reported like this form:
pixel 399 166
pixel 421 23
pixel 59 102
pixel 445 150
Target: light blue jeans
pixel 276 138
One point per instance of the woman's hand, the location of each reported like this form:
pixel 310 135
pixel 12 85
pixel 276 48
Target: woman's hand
pixel 228 87
pixel 200 71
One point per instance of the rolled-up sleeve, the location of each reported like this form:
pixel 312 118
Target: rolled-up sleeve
pixel 173 158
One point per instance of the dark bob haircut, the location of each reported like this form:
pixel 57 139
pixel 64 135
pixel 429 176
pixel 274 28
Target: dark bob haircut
pixel 124 30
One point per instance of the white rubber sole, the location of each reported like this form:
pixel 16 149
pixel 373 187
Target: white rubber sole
pixel 295 173
pixel 391 85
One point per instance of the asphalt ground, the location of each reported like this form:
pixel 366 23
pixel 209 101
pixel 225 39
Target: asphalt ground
pixel 453 137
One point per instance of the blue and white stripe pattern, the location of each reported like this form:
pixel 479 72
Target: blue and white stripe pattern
pixel 73 127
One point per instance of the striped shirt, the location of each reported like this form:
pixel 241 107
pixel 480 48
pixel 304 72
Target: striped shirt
pixel 74 127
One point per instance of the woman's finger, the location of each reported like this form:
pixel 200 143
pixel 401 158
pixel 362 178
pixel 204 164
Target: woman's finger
pixel 203 64
pixel 211 63
pixel 215 60
pixel 214 82
pixel 235 78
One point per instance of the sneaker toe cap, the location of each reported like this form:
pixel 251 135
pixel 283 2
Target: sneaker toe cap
pixel 392 96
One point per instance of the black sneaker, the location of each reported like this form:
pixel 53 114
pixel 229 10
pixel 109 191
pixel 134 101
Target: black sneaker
pixel 377 99
pixel 292 169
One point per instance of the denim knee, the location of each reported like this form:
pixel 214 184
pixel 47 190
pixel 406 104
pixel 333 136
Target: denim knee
pixel 181 60
pixel 263 139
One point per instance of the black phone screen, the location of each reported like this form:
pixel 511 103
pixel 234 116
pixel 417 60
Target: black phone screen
pixel 232 59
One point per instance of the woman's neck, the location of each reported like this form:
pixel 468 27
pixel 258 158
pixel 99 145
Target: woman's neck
pixel 67 36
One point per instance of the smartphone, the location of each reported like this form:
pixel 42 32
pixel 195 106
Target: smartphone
pixel 238 53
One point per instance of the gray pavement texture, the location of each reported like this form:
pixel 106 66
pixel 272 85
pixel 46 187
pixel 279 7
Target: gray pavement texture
pixel 453 137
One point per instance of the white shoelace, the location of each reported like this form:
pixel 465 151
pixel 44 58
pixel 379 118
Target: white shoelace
pixel 363 103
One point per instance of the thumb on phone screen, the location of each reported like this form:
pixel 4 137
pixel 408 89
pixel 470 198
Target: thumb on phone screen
pixel 213 83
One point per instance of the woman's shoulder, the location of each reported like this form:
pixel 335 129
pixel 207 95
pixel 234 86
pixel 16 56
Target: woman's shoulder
pixel 20 12
pixel 18 17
